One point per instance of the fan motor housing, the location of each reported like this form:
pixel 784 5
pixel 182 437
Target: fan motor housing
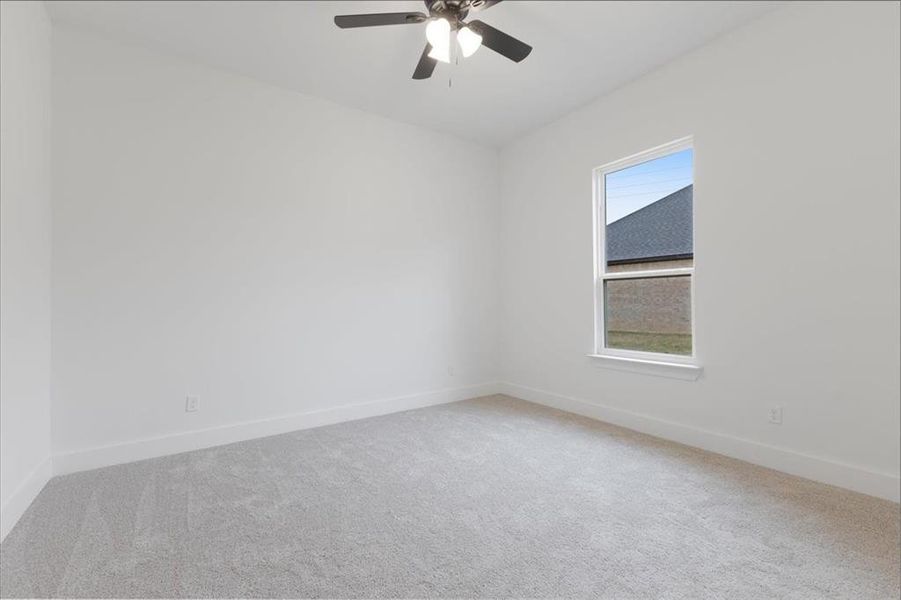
pixel 456 9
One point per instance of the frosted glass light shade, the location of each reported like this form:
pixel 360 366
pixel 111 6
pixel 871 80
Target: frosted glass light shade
pixel 469 41
pixel 437 32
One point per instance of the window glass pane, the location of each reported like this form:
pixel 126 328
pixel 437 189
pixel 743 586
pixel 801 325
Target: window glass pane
pixel 648 214
pixel 651 314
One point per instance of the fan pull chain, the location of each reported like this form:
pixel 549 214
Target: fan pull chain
pixel 450 78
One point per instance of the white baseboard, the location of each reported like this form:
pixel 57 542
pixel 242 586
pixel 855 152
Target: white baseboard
pixel 92 458
pixel 13 509
pixel 852 477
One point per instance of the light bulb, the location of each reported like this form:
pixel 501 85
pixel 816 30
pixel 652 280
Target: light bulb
pixel 469 41
pixel 438 33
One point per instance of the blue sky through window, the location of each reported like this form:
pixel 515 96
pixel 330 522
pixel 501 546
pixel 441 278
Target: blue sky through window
pixel 635 187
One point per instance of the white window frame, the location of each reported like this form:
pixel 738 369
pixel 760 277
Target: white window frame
pixel 654 363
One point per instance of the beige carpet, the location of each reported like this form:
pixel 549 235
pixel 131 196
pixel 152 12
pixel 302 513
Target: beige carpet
pixel 492 497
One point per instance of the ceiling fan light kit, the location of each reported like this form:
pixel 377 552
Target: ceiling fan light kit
pixel 438 33
pixel 469 41
pixel 444 25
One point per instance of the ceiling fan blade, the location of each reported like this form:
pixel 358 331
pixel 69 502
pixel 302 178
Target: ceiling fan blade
pixel 500 42
pixel 426 64
pixel 372 20
pixel 477 5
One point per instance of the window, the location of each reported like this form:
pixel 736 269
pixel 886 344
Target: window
pixel 644 274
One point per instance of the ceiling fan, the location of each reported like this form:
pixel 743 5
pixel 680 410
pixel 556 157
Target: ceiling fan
pixel 445 22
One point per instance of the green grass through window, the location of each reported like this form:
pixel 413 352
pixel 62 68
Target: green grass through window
pixel 667 343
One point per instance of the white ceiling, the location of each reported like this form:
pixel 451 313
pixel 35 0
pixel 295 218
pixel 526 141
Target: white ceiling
pixel 582 50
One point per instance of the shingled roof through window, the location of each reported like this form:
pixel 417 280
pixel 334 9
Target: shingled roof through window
pixel 659 231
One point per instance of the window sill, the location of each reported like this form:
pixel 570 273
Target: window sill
pixel 656 368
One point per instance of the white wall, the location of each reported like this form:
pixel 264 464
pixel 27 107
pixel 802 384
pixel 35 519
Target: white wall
pixel 269 252
pixel 24 256
pixel 796 126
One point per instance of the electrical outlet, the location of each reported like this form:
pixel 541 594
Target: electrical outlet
pixel 776 415
pixel 191 404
